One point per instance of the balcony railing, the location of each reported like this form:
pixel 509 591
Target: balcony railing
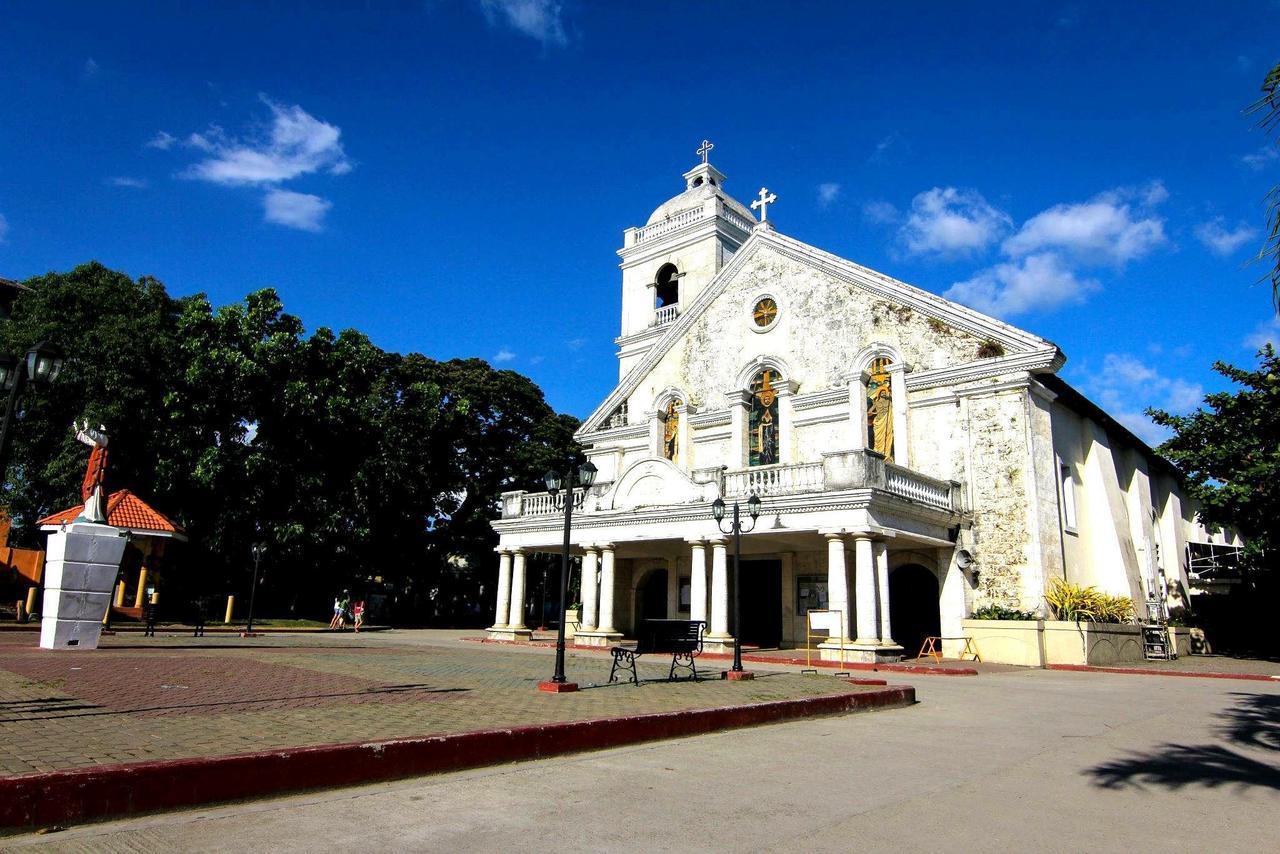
pixel 775 480
pixel 843 470
pixel 666 314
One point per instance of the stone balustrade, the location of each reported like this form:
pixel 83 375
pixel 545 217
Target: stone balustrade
pixel 842 470
pixel 666 314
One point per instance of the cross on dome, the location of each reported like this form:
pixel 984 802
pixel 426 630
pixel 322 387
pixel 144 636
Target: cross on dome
pixel 704 150
pixel 762 203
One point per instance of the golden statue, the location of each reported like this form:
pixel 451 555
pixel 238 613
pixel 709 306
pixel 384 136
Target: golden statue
pixel 880 410
pixel 671 431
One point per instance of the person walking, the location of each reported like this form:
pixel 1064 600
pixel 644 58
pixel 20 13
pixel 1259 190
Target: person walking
pixel 358 611
pixel 336 622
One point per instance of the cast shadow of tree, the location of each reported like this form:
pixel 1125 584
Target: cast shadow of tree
pixel 1254 722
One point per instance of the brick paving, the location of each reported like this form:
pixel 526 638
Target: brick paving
pixel 141 699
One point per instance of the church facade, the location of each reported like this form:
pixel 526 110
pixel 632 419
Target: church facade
pixel 915 459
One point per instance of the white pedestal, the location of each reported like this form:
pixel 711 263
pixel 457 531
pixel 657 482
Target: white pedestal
pixel 81 566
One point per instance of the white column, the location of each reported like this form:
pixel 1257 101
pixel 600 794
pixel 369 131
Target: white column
pixel 698 580
pixel 504 590
pixel 590 589
pixel 901 436
pixel 606 588
pixel 880 554
pixel 951 606
pixel 786 425
pixel 858 409
pixel 517 591
pixel 719 591
pixel 864 589
pixel 739 406
pixel 838 583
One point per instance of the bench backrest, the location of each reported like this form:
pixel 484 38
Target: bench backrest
pixel 670 636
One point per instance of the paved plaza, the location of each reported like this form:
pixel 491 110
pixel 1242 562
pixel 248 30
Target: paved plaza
pixel 1018 761
pixel 139 699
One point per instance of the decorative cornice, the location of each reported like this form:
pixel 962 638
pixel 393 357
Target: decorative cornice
pixel 821 418
pixel 818 399
pixel 1036 361
pixel 613 434
pixel 712 418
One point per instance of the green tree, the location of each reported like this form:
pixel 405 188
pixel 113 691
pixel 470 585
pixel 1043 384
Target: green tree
pixel 1229 453
pixel 349 462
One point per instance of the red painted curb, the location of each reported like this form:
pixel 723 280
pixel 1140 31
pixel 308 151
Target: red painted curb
pixel 1141 671
pixel 61 797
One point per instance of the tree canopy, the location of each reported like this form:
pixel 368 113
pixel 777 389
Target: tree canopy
pixel 348 461
pixel 1229 453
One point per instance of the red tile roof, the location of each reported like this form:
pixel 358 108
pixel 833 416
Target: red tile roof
pixel 124 510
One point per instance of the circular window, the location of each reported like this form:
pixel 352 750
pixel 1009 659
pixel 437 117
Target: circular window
pixel 765 313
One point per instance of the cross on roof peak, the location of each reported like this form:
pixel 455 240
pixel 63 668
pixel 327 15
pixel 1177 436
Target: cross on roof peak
pixel 762 203
pixel 704 150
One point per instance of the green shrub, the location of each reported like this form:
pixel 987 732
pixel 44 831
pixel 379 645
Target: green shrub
pixel 1069 601
pixel 999 612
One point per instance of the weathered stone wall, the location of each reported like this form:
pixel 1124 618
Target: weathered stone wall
pixel 823 324
pixel 998 484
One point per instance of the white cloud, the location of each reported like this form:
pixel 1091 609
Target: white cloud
pixel 881 152
pixel 162 140
pixel 126 181
pixel 950 221
pixel 827 194
pixel 1267 332
pixel 297 143
pixel 1109 228
pixel 1262 158
pixel 576 343
pixel 880 212
pixel 1221 241
pixel 4 228
pixel 302 211
pixel 91 67
pixel 1126 386
pixel 504 355
pixel 1034 283
pixel 542 20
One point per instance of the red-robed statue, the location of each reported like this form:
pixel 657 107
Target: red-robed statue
pixel 91 491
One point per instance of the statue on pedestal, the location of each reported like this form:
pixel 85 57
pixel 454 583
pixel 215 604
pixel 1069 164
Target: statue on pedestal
pixel 91 491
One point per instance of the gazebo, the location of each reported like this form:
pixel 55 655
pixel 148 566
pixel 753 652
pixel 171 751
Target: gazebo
pixel 150 533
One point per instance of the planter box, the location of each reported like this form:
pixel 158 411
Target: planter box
pixel 1035 643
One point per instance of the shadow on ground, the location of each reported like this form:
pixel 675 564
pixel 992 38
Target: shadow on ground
pixel 1253 722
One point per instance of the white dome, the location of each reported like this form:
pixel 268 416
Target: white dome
pixel 704 182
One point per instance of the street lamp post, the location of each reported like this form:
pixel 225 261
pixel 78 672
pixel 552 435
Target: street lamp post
pixel 735 528
pixel 586 475
pixel 40 366
pixel 257 550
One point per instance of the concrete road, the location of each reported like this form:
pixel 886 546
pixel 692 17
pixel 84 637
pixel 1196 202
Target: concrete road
pixel 1022 761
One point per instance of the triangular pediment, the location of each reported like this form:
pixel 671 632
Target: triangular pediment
pixel 833 309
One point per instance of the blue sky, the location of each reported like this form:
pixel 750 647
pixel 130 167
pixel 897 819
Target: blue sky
pixel 454 177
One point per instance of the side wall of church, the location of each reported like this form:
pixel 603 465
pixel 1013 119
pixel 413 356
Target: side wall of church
pixel 1000 478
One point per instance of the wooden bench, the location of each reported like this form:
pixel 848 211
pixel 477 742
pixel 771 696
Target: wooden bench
pixel 681 639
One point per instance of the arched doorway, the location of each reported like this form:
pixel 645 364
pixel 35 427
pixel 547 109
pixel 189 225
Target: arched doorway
pixel 913 606
pixel 651 597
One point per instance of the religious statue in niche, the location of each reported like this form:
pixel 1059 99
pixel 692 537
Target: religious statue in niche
pixel 91 490
pixel 671 431
pixel 763 422
pixel 880 409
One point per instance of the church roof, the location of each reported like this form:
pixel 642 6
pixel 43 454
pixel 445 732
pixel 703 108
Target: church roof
pixel 124 510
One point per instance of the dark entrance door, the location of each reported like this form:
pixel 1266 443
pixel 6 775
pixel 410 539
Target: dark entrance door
pixel 761 602
pixel 652 599
pixel 913 606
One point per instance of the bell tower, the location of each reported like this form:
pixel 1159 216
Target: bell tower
pixel 672 257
